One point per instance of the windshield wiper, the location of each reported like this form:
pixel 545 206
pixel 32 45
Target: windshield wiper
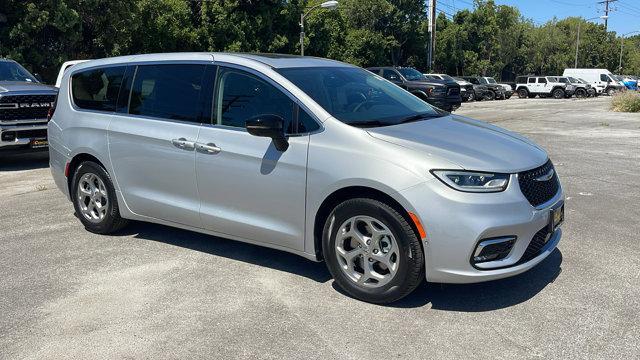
pixel 419 117
pixel 368 123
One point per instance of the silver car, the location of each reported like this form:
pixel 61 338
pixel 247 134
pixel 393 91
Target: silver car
pixel 306 155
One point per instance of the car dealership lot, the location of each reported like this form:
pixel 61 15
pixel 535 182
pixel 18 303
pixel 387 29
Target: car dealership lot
pixel 154 291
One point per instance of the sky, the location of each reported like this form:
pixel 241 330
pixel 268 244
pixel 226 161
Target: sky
pixel 624 17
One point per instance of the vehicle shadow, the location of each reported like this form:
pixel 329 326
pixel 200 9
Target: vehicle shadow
pixel 24 162
pixel 236 250
pixel 478 297
pixel 486 296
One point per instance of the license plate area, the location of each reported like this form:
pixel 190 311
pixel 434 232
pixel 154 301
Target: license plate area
pixel 556 218
pixel 38 143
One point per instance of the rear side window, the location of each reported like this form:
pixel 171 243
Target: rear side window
pixel 169 91
pixel 97 89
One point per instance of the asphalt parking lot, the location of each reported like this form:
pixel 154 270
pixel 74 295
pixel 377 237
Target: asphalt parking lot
pixel 158 292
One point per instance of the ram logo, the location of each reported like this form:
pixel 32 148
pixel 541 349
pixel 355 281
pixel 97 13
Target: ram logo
pixel 35 105
pixel 26 105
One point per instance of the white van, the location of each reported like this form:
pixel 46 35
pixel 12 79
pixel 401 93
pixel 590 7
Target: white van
pixel 601 79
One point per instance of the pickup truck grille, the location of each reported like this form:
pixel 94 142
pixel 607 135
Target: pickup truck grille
pixel 25 107
pixel 453 91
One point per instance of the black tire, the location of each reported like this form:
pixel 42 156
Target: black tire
pixel 523 93
pixel 112 221
pixel 507 97
pixel 490 95
pixel 558 94
pixel 581 93
pixel 410 272
pixel 472 96
pixel 611 91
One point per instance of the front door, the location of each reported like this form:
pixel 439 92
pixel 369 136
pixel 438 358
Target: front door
pixel 152 147
pixel 248 188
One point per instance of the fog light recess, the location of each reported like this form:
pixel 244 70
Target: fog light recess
pixel 8 136
pixel 493 249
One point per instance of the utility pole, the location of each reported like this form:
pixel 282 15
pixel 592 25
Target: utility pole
pixel 606 10
pixel 432 33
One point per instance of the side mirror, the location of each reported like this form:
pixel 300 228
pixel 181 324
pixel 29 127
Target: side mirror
pixel 271 126
pixel 38 77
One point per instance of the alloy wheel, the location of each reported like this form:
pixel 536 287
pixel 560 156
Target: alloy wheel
pixel 92 197
pixel 367 251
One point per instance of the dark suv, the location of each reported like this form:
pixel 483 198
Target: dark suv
pixel 494 91
pixel 444 94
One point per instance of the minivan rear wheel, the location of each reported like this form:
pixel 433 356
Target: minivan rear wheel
pixel 372 251
pixel 94 199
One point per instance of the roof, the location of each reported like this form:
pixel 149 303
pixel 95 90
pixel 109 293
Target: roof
pixel 271 60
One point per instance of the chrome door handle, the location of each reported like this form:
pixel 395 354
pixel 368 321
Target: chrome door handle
pixel 209 148
pixel 183 144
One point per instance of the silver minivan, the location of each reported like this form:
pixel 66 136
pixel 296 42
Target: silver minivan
pixel 311 156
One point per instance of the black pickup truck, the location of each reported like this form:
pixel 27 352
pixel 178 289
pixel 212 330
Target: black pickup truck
pixel 24 106
pixel 444 94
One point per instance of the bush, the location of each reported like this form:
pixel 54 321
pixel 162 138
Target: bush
pixel 628 101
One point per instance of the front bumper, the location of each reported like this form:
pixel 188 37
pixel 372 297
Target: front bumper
pixel 22 136
pixel 456 221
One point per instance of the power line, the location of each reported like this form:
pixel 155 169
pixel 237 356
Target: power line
pixel 606 10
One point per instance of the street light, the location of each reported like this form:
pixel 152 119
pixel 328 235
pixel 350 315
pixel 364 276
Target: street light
pixel 621 45
pixel 604 17
pixel 330 5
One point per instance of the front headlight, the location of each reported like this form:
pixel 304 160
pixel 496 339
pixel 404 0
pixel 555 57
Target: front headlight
pixel 473 181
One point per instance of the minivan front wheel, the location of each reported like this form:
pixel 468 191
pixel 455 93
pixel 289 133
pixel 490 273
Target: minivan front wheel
pixel 94 199
pixel 372 251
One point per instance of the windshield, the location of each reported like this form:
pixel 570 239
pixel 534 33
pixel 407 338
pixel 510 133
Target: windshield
pixel 447 77
pixel 359 98
pixel 11 71
pixel 411 74
pixel 552 79
pixel 491 80
pixel 574 80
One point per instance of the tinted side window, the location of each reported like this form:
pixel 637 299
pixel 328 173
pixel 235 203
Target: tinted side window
pixel 542 81
pixel 306 123
pixel 241 96
pixel 97 89
pixel 390 75
pixel 169 91
pixel 532 80
pixel 604 77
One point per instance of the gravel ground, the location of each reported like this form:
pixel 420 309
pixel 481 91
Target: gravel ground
pixel 158 292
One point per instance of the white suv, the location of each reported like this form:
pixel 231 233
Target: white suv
pixel 543 86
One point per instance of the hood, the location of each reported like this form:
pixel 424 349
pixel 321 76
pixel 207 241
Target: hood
pixel 471 144
pixel 430 82
pixel 25 87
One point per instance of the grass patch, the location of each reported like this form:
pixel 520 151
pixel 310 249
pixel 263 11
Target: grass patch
pixel 628 101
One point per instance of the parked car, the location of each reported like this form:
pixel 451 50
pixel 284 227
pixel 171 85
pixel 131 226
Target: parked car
pixel 440 93
pixel 628 82
pixel 601 79
pixel 311 156
pixel 494 91
pixel 466 88
pixel 543 86
pixel 508 90
pixel 24 106
pixel 65 66
pixel 581 90
pixel 591 91
pixel 480 91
